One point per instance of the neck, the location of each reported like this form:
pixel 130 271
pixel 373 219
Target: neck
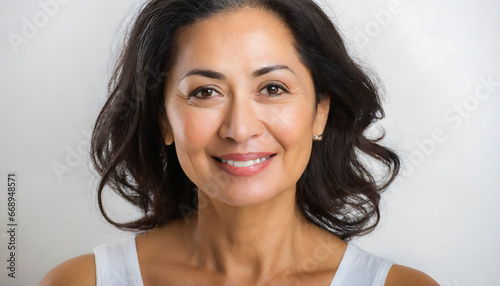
pixel 249 241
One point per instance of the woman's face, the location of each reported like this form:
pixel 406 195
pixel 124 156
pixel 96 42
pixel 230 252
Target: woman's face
pixel 241 108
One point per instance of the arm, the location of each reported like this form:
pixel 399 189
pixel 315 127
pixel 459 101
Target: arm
pixel 79 271
pixel 401 275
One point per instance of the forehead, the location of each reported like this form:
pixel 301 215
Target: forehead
pixel 244 37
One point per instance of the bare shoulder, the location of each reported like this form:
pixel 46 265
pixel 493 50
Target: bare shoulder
pixel 79 271
pixel 402 275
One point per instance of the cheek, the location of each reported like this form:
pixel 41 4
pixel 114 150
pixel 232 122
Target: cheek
pixel 193 128
pixel 193 131
pixel 291 124
pixel 293 131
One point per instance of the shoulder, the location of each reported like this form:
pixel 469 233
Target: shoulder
pixel 401 275
pixel 79 271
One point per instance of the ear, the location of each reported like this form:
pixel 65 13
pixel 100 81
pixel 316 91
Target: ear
pixel 166 130
pixel 322 111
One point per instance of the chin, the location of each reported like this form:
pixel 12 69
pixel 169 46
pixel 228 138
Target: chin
pixel 242 197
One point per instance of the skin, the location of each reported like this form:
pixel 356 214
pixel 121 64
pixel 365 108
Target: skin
pixel 248 230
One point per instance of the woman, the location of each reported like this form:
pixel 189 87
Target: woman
pixel 236 126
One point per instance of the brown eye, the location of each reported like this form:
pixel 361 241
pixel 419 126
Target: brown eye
pixel 204 93
pixel 274 90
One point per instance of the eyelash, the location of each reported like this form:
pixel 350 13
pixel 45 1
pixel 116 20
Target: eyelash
pixel 271 84
pixel 279 86
pixel 201 89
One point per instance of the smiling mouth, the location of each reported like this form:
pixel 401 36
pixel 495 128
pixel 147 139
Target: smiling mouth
pixel 242 164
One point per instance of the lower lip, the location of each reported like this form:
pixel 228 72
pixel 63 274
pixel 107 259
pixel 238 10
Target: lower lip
pixel 244 171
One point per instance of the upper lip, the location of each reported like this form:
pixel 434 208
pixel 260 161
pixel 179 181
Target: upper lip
pixel 245 157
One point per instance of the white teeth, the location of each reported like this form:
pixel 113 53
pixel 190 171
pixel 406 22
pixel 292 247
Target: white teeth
pixel 249 163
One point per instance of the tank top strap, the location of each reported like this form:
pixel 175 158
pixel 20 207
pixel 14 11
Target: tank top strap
pixel 117 264
pixel 360 268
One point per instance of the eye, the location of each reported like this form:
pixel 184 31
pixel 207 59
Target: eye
pixel 204 93
pixel 274 89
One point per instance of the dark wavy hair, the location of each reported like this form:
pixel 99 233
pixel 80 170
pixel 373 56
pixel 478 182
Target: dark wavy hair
pixel 337 191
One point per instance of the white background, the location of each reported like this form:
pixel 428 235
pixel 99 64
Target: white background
pixel 442 216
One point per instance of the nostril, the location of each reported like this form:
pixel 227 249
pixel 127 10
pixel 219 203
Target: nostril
pixel 241 130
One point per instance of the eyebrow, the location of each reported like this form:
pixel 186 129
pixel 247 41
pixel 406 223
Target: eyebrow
pixel 206 73
pixel 265 70
pixel 218 75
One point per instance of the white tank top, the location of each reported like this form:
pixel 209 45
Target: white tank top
pixel 117 265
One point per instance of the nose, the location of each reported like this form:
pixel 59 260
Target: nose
pixel 241 122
